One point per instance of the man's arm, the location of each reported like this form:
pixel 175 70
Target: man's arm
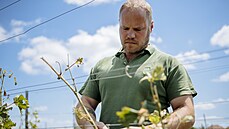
pixel 182 106
pixel 90 105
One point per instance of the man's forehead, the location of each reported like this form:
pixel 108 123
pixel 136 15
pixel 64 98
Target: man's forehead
pixel 135 17
pixel 133 10
pixel 126 25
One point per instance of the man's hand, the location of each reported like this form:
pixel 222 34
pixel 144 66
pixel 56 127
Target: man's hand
pixel 183 106
pixel 145 127
pixel 100 125
pixel 132 127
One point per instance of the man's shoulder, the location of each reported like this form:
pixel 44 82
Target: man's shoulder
pixel 163 55
pixel 163 58
pixel 105 61
pixel 156 52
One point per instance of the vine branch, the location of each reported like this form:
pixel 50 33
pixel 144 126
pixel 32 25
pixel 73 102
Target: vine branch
pixel 74 91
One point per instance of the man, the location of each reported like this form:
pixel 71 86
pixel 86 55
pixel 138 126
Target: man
pixel 109 84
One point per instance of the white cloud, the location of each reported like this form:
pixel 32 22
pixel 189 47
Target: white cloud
pixel 221 37
pixel 65 127
pixel 191 56
pixel 210 105
pixel 155 39
pixel 17 27
pixel 94 47
pixel 104 42
pixel 52 122
pixel 3 34
pixel 91 47
pixel 40 108
pixel 226 51
pixel 18 23
pixel 223 78
pixel 96 2
pixel 51 49
pixel 209 118
pixel 221 100
pixel 205 106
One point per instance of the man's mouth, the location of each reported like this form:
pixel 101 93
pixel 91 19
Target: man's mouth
pixel 130 42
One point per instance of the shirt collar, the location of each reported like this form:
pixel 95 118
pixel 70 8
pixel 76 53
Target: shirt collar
pixel 149 49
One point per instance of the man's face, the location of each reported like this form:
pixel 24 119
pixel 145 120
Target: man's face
pixel 134 30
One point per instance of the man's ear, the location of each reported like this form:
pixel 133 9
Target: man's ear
pixel 151 26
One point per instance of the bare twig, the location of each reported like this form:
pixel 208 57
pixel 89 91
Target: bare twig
pixel 60 69
pixel 70 72
pixel 75 93
pixel 78 61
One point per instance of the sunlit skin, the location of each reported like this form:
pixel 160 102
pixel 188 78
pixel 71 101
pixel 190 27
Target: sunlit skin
pixel 135 29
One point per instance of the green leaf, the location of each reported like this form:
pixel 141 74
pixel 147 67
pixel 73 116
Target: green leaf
pixel 21 102
pixel 154 117
pixel 10 75
pixel 8 124
pixel 5 121
pixel 4 72
pixel 158 73
pixel 15 81
pixel 33 126
pixel 127 115
pixel 79 61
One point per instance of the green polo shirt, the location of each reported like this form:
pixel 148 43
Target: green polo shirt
pixel 109 84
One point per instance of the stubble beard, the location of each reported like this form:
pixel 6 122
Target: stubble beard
pixel 137 51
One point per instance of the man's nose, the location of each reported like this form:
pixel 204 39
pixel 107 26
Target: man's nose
pixel 131 34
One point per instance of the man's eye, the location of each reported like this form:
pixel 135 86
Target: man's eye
pixel 137 29
pixel 125 28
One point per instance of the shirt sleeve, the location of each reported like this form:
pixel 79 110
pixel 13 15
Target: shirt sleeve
pixel 178 82
pixel 91 87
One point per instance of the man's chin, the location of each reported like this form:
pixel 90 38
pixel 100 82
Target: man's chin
pixel 133 51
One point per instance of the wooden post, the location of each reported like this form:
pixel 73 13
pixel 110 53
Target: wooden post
pixel 26 111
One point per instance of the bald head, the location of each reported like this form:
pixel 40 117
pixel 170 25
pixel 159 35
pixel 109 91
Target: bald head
pixel 133 4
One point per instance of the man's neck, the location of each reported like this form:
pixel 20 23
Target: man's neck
pixel 130 56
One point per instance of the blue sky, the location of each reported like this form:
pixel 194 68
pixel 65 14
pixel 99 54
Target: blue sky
pixel 196 32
